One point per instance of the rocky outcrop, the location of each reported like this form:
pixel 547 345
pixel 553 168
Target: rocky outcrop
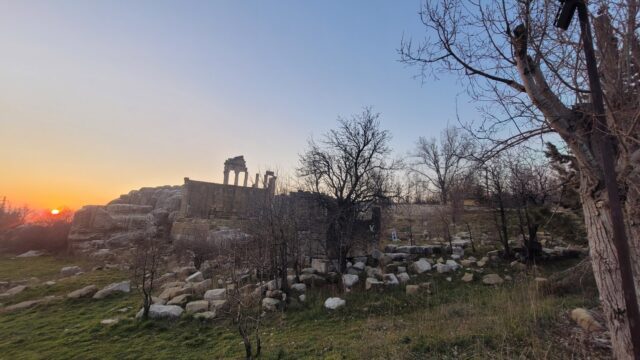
pixel 125 219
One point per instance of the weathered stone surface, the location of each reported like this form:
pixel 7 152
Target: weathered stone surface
pixel 443 268
pixel 218 304
pixel 70 271
pixel 403 277
pixel 412 289
pixel 466 263
pixel 31 253
pixel 349 280
pixel 29 303
pixel 468 277
pixel 13 291
pixel 180 300
pixel 299 287
pixel 390 279
pixel 376 254
pixel 453 265
pixel 195 277
pixel 111 289
pixel 216 294
pixel 50 283
pixel 86 291
pixel 420 266
pixel 157 300
pixel 158 312
pixel 321 266
pixel 205 316
pixel 492 279
pixel 334 303
pixel 312 279
pixel 201 287
pixel 359 266
pixel 275 294
pixel 170 293
pixel 270 304
pixel 302 298
pixel 197 306
pixel 482 262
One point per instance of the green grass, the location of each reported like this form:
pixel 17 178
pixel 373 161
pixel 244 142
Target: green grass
pixel 458 320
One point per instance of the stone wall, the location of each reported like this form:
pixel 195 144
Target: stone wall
pixel 205 200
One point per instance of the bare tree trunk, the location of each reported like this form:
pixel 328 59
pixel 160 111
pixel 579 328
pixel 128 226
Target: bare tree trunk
pixel 606 270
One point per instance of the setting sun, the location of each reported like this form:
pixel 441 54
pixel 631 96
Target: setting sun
pixel 55 212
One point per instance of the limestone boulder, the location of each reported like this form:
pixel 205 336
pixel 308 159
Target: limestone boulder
pixel 180 300
pixel 70 271
pixel 270 304
pixel 216 294
pixel 163 312
pixel 468 277
pixel 420 266
pixel 198 306
pixel 349 280
pixel 112 289
pixel 334 303
pixel 170 293
pixel 13 291
pixel 373 284
pixel 85 292
pixel 205 316
pixel 412 289
pixel 390 280
pixel 403 277
pixel 492 279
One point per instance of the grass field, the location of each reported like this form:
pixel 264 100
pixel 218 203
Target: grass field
pixel 457 321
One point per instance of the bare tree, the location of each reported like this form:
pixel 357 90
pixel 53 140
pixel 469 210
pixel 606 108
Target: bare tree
pixel 147 257
pixel 496 187
pixel 351 166
pixel 532 79
pixel 441 161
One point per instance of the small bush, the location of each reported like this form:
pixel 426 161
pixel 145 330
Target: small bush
pixel 51 237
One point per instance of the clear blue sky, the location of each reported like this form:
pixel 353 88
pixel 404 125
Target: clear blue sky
pixel 100 97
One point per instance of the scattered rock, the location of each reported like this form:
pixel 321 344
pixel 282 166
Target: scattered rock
pixel 412 289
pixel 201 287
pixel 85 292
pixel 50 283
pixel 218 304
pixel 492 279
pixel 180 300
pixel 420 266
pixel 403 277
pixel 299 287
pixel 349 280
pixel 13 291
pixel 443 268
pixel 205 316
pixel 334 303
pixel 302 298
pixel 216 294
pixel 321 266
pixel 70 271
pixel 111 289
pixel 390 279
pixel 453 265
pixel 468 277
pixel 109 322
pixel 197 306
pixel 157 312
pixel 359 266
pixel 482 262
pixel 31 253
pixel 172 292
pixel 270 304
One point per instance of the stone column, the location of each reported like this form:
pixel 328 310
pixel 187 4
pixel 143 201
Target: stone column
pixel 246 178
pixel 257 183
pixel 235 180
pixel 226 177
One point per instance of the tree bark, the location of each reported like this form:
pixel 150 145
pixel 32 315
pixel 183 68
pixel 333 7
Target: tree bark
pixel 606 268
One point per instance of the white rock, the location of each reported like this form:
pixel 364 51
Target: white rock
pixel 215 294
pixel 453 265
pixel 156 311
pixel 109 321
pixel 468 277
pixel 31 253
pixel 119 287
pixel 302 298
pixel 333 303
pixel 197 306
pixel 359 266
pixel 349 280
pixel 86 291
pixel 420 266
pixel 443 268
pixel 373 283
pixel 70 271
pixel 299 287
pixel 390 279
pixel 403 277
pixel 270 304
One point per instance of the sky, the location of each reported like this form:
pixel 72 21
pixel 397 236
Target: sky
pixel 98 98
